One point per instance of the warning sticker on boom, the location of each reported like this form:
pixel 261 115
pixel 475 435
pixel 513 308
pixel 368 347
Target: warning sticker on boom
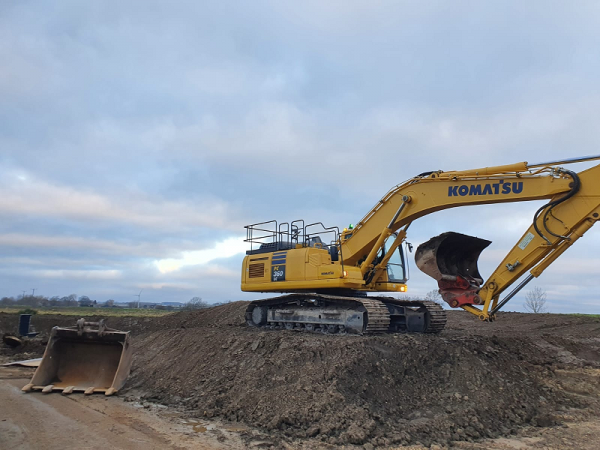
pixel 526 240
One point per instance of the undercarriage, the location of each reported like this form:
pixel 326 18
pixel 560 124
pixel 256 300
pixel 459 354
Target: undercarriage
pixel 332 314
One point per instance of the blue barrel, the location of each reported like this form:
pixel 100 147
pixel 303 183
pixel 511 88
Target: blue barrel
pixel 24 321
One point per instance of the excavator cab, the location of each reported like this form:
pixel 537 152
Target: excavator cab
pixel 451 259
pixel 88 357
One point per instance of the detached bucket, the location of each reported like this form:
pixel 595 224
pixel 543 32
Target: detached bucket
pixel 451 255
pixel 86 358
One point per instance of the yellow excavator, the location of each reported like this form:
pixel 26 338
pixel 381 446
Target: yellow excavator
pixel 327 273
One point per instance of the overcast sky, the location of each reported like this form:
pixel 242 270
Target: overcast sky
pixel 138 138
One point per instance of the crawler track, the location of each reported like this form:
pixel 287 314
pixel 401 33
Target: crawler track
pixel 338 314
pixel 436 316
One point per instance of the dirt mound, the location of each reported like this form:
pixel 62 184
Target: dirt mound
pixel 227 315
pixel 472 381
pixel 520 324
pixel 230 314
pixel 384 390
pixel 43 323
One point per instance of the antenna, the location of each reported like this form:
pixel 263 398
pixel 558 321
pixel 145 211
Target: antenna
pixel 24 294
pixel 33 289
pixel 138 296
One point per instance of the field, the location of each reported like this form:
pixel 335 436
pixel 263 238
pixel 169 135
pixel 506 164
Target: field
pixel 522 382
pixel 80 312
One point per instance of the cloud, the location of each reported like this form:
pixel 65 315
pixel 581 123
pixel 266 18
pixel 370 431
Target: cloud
pixel 79 274
pixel 225 249
pixel 72 274
pixel 32 242
pixel 34 197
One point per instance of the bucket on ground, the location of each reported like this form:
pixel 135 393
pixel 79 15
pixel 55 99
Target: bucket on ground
pixel 88 358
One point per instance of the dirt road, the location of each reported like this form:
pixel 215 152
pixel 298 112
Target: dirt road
pixel 36 421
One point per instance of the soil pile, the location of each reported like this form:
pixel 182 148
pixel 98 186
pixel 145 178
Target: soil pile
pixel 227 315
pixel 43 324
pixel 472 381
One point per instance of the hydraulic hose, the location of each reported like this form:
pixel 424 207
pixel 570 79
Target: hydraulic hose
pixel 551 205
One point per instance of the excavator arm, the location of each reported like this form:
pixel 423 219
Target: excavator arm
pixel 573 207
pixel 556 227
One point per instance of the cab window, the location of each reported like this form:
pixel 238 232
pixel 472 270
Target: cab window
pixel 396 265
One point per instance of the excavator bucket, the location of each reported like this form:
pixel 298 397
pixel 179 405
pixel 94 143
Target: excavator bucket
pixel 451 255
pixel 86 358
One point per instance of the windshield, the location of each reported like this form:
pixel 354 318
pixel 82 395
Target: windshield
pixel 396 267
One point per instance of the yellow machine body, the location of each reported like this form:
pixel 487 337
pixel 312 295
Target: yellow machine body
pixel 306 269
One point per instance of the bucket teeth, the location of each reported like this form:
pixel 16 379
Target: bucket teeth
pixel 48 389
pixel 27 388
pixel 110 391
pixel 68 390
pixel 89 390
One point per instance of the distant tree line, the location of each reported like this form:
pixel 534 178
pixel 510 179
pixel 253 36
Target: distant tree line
pixel 37 301
pixel 41 301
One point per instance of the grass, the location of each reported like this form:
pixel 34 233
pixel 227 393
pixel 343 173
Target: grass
pixel 82 312
pixel 592 316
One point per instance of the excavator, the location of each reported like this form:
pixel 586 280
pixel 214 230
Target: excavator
pixel 326 273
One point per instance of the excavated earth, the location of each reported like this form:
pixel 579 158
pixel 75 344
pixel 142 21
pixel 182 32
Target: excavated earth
pixel 473 381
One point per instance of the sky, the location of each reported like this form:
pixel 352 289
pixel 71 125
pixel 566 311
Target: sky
pixel 138 138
